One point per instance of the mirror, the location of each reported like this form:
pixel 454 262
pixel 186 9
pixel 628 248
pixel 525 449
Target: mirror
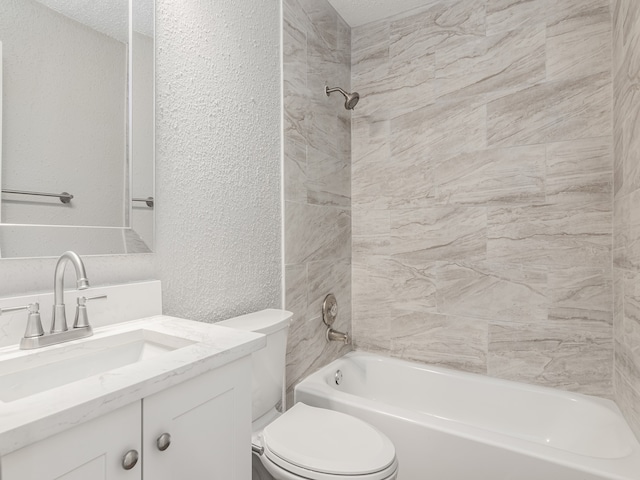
pixel 77 123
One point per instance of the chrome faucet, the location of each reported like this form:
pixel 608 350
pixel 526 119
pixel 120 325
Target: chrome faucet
pixel 34 336
pixel 59 318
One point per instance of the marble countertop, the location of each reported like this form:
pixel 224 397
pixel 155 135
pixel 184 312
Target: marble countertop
pixel 35 417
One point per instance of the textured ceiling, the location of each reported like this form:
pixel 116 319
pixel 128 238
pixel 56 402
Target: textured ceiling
pixel 107 16
pixel 360 12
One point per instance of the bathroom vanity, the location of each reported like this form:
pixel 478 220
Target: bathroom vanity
pixel 160 398
pixel 182 432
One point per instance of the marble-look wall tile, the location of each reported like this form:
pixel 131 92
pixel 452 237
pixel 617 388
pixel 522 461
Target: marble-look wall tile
pixel 618 304
pixel 579 39
pixel 370 164
pixel 308 350
pixel 566 354
pixel 618 143
pixel 627 119
pixel 494 292
pixel 294 42
pixel 579 108
pixel 370 245
pixel 552 112
pixel 370 50
pixel 628 365
pixel 367 221
pixel 343 47
pixel 328 179
pixel 439 233
pixel 296 290
pixel 550 235
pixel 322 124
pixel 505 15
pixel 625 16
pixel 489 65
pixel 580 316
pixel 385 100
pixel 565 15
pixel 317 180
pixel 388 286
pixel 581 288
pixel 418 86
pixel 626 211
pixel 393 85
pixel 305 337
pixel 628 400
pixel 621 231
pixel 447 127
pixel 630 332
pixel 492 177
pixel 315 233
pixel 580 172
pixel 450 341
pixel 296 108
pixel 324 21
pixel 437 28
pixel 306 347
pixel 329 276
pixel 632 225
pixel 371 334
pixel 295 170
pixel 482 180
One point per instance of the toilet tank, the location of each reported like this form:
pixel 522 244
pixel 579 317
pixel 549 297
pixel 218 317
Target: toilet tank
pixel 268 364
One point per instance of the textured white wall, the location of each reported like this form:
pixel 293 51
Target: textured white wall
pixel 218 161
pixel 218 166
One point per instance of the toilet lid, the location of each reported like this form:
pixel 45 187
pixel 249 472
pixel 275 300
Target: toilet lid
pixel 327 441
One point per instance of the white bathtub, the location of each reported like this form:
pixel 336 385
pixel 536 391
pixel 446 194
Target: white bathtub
pixel 449 425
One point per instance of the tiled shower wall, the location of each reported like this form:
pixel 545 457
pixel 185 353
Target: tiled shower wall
pixel 317 169
pixel 481 189
pixel 626 254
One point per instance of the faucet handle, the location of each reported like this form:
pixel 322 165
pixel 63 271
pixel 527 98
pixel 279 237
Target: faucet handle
pixel 83 300
pixel 34 323
pixel 82 319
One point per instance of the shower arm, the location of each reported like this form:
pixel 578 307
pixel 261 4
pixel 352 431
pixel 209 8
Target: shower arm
pixel 328 91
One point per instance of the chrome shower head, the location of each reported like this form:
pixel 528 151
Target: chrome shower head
pixel 351 99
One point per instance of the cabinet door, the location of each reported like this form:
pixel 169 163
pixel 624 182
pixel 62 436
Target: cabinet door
pixel 209 420
pixel 92 450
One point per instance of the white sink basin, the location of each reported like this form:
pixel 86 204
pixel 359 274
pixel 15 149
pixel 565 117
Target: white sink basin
pixel 42 370
pixel 45 391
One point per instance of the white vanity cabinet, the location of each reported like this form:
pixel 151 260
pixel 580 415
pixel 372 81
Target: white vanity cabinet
pixel 208 419
pixel 92 450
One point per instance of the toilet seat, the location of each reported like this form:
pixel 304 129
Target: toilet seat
pixel 320 444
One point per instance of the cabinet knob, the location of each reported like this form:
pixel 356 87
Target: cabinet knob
pixel 163 442
pixel 130 459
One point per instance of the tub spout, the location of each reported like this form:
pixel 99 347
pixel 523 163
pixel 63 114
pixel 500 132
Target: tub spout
pixel 333 335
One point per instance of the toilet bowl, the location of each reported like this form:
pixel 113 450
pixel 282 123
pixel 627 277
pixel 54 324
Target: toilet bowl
pixel 306 442
pixel 321 444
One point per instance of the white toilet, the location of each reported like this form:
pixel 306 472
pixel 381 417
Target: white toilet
pixel 306 442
